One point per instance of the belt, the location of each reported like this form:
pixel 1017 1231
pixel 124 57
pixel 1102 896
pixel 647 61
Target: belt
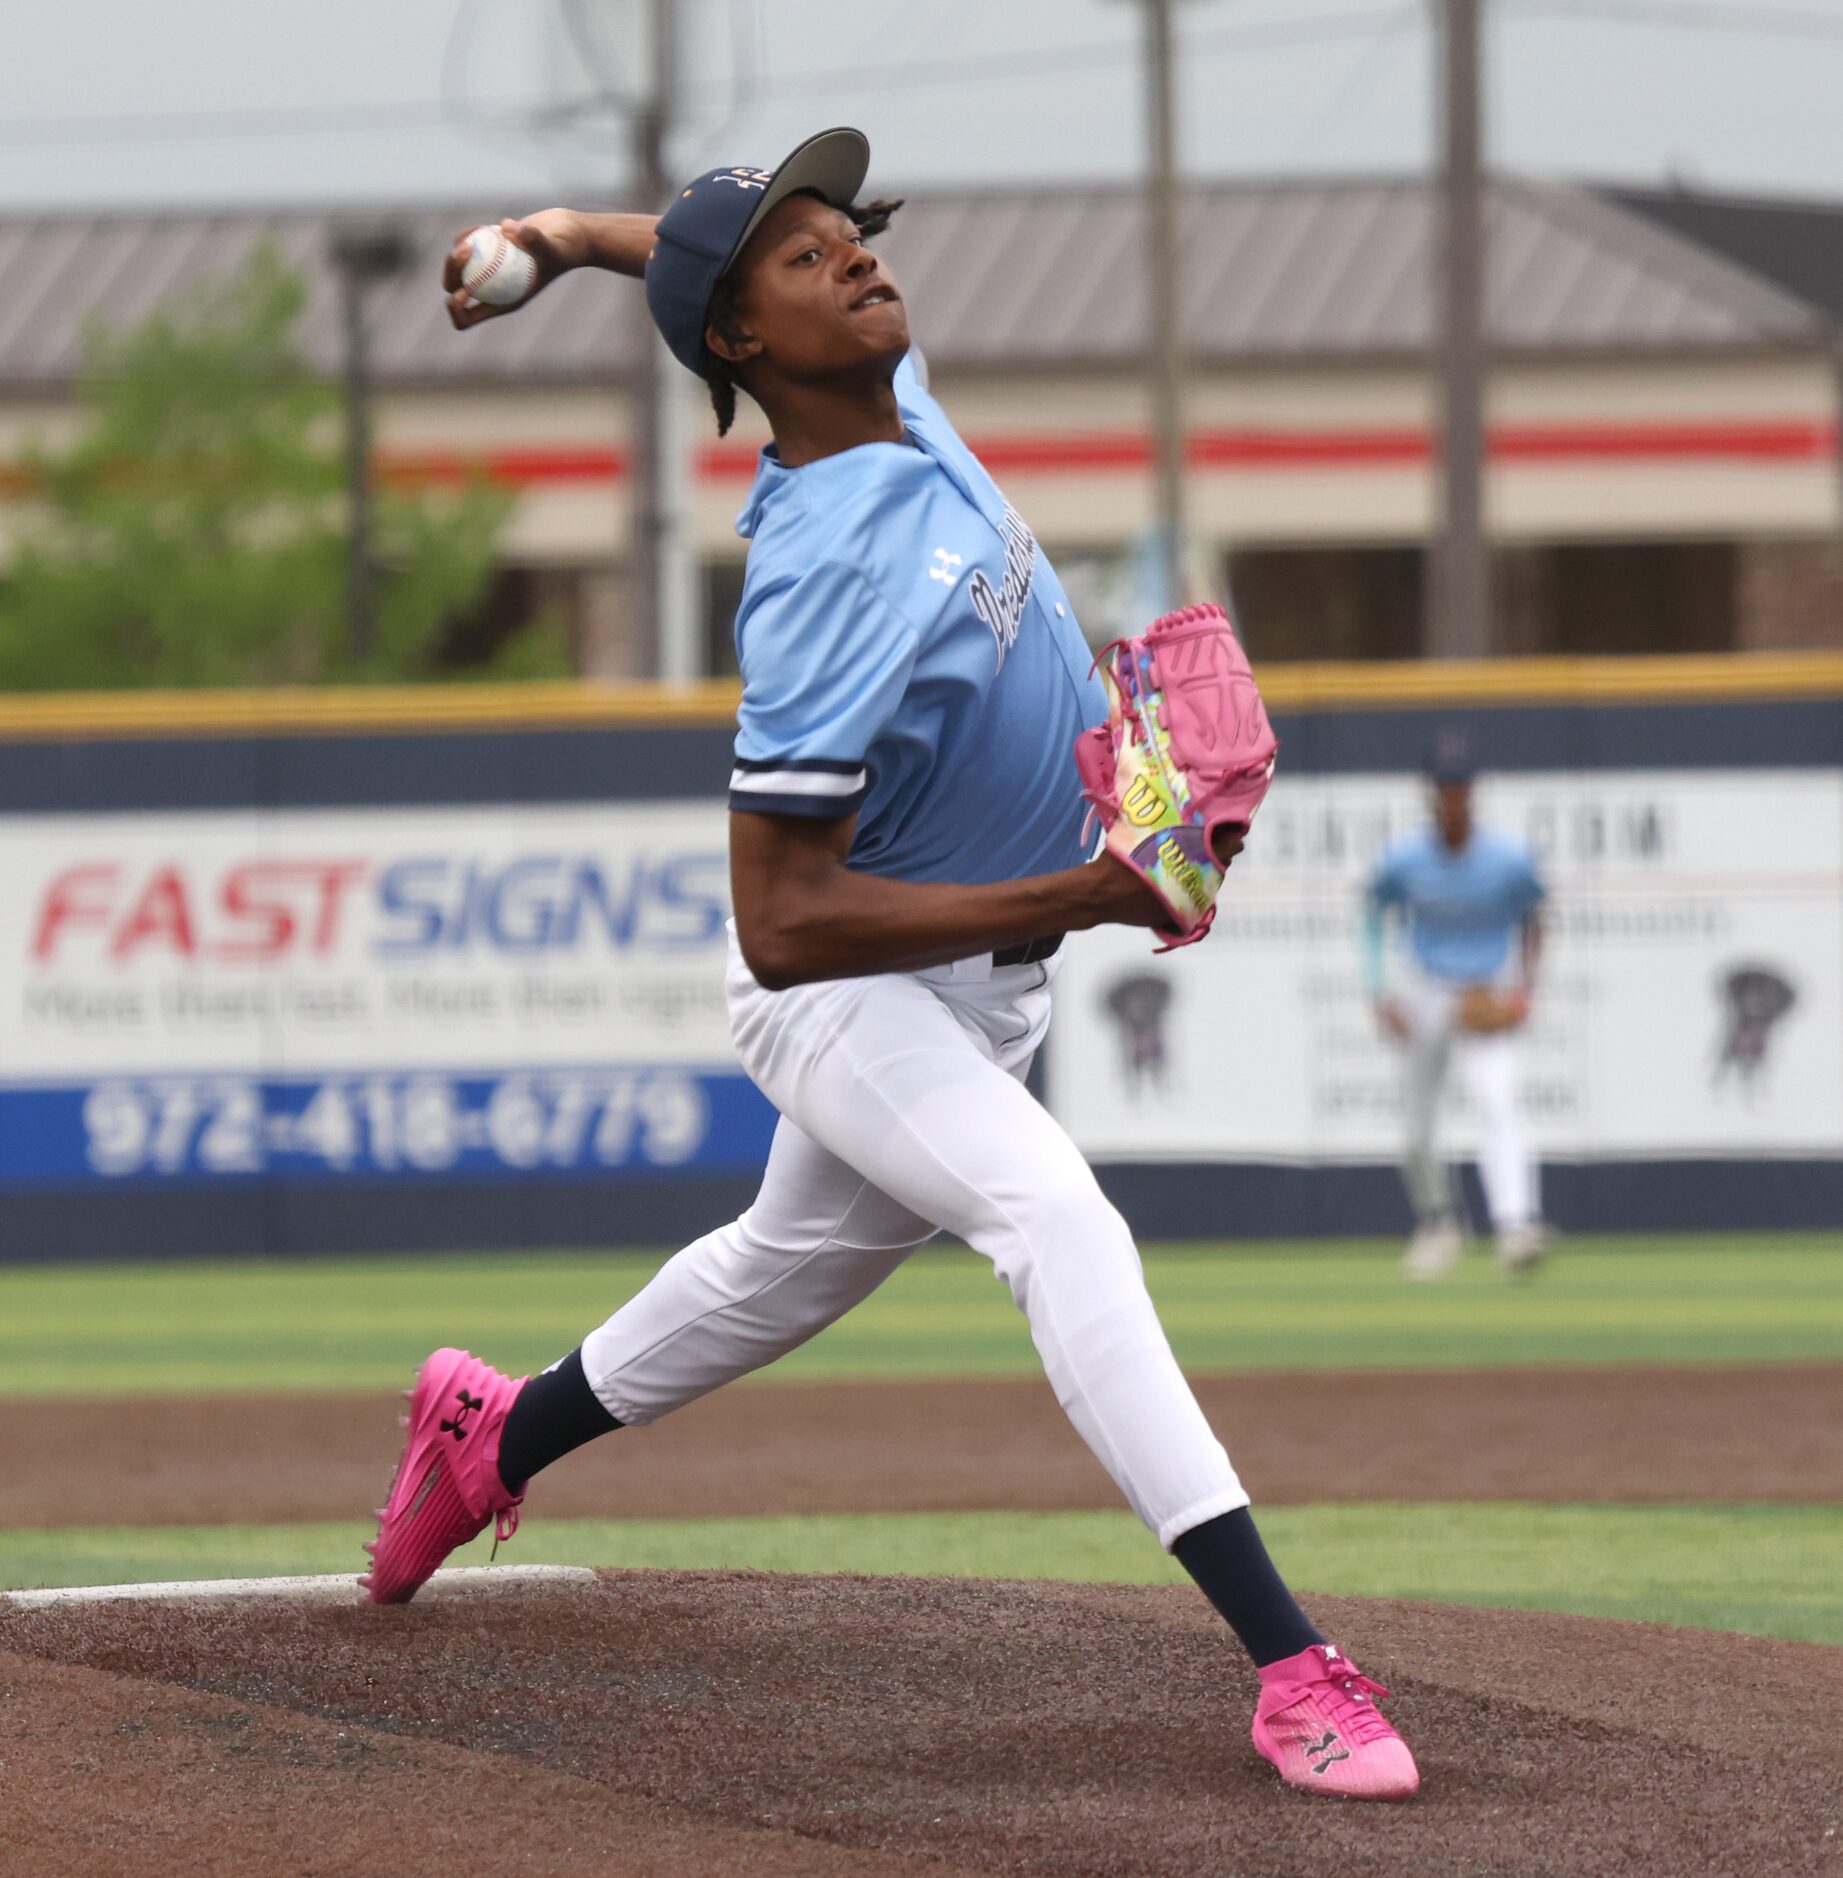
pixel 1031 953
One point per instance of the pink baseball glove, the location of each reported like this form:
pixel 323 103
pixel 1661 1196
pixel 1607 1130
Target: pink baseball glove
pixel 1186 751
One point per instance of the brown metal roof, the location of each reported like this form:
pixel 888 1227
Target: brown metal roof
pixel 1277 272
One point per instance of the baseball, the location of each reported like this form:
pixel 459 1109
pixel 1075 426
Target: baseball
pixel 498 272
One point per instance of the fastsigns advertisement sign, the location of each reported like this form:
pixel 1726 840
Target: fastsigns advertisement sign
pixel 198 997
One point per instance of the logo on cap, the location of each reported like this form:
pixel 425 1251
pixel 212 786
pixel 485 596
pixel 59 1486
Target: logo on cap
pixel 748 179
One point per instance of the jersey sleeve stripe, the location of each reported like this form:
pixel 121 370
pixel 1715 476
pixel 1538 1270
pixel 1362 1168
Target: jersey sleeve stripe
pixel 812 787
pixel 834 782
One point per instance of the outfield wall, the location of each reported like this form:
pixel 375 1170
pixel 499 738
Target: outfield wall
pixel 288 972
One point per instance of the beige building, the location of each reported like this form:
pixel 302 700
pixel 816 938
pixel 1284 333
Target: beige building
pixel 1663 403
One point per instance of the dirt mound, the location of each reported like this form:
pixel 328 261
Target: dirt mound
pixel 1640 1436
pixel 107 1778
pixel 841 1724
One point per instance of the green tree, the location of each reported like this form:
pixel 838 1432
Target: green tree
pixel 194 532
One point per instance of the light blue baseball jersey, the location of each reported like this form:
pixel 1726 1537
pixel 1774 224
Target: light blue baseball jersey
pixel 909 655
pixel 1460 909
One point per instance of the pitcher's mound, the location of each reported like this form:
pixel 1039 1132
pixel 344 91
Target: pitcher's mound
pixel 726 1722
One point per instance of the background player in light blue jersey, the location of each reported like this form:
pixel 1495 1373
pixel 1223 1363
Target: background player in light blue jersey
pixel 906 854
pixel 1469 901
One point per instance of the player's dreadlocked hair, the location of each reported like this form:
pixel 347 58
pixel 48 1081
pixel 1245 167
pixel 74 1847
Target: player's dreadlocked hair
pixel 872 219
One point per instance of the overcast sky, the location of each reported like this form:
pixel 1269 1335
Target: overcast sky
pixel 107 103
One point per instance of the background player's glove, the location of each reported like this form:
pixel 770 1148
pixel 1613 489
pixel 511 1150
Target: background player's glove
pixel 1484 1010
pixel 1186 751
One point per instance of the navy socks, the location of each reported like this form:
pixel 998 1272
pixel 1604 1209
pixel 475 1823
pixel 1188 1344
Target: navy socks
pixel 1230 1564
pixel 554 1414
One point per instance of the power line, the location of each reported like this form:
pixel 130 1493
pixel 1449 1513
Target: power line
pixel 1407 17
pixel 1777 22
pixel 421 115
pixel 925 74
pixel 308 120
pixel 602 68
pixel 913 75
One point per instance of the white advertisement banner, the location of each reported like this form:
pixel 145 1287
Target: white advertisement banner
pixel 1691 999
pixel 367 992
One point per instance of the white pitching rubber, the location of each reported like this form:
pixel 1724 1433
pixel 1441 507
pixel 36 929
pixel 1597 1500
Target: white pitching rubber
pixel 332 1587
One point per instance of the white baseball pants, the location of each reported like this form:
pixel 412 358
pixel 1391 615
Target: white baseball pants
pixel 903 1114
pixel 1492 1068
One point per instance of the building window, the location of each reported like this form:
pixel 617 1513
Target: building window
pixel 1619 596
pixel 1326 603
pixel 1548 598
pixel 722 583
pixel 1642 596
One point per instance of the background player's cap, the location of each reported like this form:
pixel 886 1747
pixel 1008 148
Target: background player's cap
pixel 1451 759
pixel 703 231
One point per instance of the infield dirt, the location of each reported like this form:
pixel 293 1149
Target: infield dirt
pixel 1638 1436
pixel 676 1724
pixel 703 1723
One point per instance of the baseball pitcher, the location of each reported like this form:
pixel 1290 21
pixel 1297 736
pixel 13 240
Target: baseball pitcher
pixel 1464 894
pixel 907 852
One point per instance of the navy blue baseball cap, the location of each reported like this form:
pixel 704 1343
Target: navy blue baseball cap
pixel 1451 760
pixel 701 234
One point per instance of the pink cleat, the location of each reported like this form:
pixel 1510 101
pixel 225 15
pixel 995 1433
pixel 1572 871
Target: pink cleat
pixel 447 1486
pixel 1318 1723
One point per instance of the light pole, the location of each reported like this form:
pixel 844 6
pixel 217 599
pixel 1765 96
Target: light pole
pixel 1458 624
pixel 665 604
pixel 1164 361
pixel 362 258
pixel 1165 338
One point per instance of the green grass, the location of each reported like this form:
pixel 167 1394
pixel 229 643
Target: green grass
pixel 1770 1570
pixel 364 1323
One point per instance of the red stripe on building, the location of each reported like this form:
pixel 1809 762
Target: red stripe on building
pixel 1092 453
pixel 1743 442
pixel 1087 453
pixel 1283 449
pixel 520 469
